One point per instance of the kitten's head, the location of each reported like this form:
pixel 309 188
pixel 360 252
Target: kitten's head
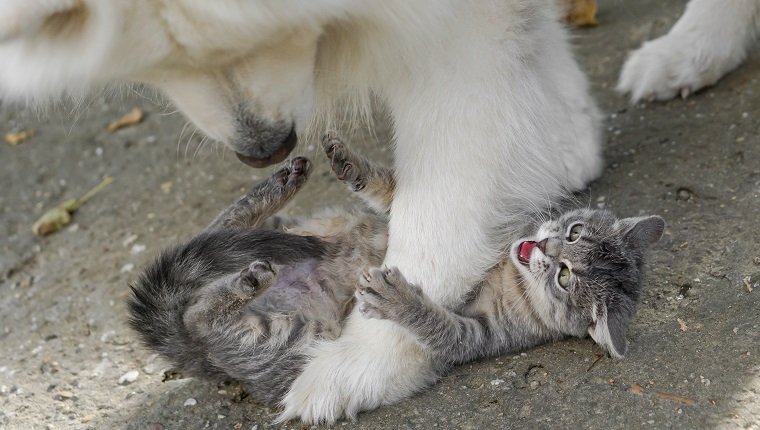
pixel 582 273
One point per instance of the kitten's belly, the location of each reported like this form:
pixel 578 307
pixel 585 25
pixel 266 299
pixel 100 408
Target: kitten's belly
pixel 300 289
pixel 300 277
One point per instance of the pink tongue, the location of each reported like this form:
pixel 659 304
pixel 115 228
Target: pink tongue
pixel 526 248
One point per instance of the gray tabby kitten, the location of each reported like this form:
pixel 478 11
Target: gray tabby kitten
pixel 248 296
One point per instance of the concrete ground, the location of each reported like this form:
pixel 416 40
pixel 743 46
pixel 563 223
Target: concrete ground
pixel 694 357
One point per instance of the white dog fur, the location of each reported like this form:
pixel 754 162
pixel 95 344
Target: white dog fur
pixel 491 113
pixel 710 39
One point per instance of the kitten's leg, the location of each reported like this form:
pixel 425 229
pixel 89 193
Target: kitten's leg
pixel 710 39
pixel 255 208
pixel 444 335
pixel 218 306
pixel 234 339
pixel 373 183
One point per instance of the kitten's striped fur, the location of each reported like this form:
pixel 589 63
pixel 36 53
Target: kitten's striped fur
pixel 249 296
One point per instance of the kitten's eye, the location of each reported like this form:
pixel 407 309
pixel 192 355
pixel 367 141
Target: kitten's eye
pixel 563 277
pixel 575 233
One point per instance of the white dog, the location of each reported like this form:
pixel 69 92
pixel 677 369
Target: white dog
pixel 491 113
pixel 710 39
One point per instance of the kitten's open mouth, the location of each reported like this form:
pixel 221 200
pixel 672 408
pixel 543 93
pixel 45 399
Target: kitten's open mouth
pixel 524 251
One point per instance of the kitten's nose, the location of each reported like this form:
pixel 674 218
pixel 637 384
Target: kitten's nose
pixel 542 245
pixel 550 247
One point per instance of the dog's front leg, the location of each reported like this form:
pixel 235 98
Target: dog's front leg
pixel 440 236
pixel 481 140
pixel 710 39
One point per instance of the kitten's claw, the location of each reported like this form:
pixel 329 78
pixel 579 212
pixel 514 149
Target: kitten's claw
pixel 346 165
pixel 293 172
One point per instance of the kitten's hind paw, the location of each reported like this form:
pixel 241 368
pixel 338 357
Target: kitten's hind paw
pixel 293 173
pixel 348 166
pixel 386 294
pixel 258 276
pixel 284 182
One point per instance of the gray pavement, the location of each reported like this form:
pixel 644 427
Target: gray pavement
pixel 694 355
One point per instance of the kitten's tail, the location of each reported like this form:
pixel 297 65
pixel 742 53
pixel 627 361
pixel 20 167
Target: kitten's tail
pixel 156 307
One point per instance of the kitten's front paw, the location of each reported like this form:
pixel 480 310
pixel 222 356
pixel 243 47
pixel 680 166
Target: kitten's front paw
pixel 347 165
pixel 673 65
pixel 385 294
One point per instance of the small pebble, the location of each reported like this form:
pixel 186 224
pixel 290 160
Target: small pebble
pixel 87 419
pixel 137 248
pixel 127 267
pixel 683 194
pixel 129 377
pixel 64 395
pixel 128 240
pixel 190 402
pixel 497 381
pixel 166 187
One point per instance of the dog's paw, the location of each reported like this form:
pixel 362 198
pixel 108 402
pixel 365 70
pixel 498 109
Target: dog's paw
pixel 371 364
pixel 348 166
pixel 386 294
pixel 668 67
pixel 680 63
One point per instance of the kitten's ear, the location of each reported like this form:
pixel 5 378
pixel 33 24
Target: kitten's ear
pixel 609 332
pixel 642 232
pixel 19 18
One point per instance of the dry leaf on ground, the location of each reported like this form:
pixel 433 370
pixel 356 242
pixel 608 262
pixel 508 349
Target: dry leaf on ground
pixel 132 118
pixel 581 13
pixel 56 218
pixel 16 138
